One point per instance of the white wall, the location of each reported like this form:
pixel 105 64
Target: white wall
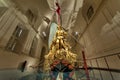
pixel 9 61
pixel 102 38
pixel 102 35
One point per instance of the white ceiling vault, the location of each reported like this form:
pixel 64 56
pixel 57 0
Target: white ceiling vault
pixel 41 8
pixel 69 10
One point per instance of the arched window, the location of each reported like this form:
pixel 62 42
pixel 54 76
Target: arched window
pixel 53 29
pixel 17 40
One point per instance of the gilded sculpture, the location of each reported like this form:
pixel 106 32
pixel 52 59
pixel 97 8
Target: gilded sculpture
pixel 59 50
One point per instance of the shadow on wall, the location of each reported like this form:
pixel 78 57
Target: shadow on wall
pixel 22 66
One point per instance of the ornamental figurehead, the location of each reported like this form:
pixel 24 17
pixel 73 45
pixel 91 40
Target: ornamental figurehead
pixel 59 51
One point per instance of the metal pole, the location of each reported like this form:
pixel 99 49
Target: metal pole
pixel 85 66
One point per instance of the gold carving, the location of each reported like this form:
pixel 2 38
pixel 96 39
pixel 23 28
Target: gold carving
pixel 59 50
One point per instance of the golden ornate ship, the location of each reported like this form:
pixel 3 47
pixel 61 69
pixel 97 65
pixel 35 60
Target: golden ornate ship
pixel 59 52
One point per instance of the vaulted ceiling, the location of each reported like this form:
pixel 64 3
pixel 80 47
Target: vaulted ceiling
pixel 73 12
pixel 41 8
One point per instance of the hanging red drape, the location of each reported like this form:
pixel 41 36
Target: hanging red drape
pixel 58 9
pixel 58 12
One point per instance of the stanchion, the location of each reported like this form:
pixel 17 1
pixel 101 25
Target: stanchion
pixel 85 66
